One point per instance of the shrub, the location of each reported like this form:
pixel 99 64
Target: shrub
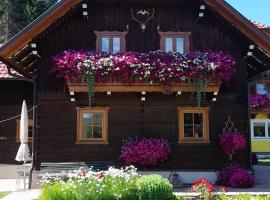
pixel 145 151
pixel 154 187
pixel 58 191
pixel 204 187
pixel 235 176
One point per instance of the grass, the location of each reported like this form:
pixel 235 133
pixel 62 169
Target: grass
pixel 265 161
pixel 3 194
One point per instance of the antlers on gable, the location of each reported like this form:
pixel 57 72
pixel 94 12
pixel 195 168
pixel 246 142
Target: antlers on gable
pixel 142 17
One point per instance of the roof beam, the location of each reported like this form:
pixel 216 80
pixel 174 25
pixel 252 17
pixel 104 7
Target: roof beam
pixel 241 23
pixel 17 67
pixel 39 25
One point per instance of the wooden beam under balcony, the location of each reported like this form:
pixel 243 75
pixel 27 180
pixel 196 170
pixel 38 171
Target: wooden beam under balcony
pixel 139 87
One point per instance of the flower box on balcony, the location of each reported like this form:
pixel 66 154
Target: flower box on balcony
pixel 139 87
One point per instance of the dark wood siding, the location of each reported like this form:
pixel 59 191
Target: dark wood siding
pixel 13 92
pixel 127 115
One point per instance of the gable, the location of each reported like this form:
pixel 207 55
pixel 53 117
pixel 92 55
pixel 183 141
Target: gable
pixel 20 45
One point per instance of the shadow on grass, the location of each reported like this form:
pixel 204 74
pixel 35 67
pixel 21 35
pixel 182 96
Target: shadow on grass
pixel 265 162
pixel 3 194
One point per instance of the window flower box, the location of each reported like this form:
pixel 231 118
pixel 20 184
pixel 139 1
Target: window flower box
pixel 115 86
pixel 157 71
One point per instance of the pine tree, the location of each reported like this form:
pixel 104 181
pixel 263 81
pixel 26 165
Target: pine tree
pixel 17 14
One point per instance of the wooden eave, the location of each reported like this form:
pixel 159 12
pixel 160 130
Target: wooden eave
pixel 25 36
pixel 256 35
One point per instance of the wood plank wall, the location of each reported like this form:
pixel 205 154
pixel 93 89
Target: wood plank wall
pixel 57 115
pixel 12 93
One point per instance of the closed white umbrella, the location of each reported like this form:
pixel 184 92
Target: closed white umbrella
pixel 23 154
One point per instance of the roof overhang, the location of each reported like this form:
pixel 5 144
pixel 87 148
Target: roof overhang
pixel 19 44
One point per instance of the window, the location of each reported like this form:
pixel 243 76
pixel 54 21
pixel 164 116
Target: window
pixel 92 125
pixel 30 130
pixel 261 88
pixel 111 42
pixel 260 128
pixel 174 41
pixel 193 124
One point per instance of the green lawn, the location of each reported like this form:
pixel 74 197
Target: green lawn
pixel 265 161
pixel 2 194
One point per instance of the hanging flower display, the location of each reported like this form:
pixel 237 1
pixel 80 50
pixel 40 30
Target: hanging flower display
pixel 231 142
pixel 145 151
pixel 154 67
pixel 259 101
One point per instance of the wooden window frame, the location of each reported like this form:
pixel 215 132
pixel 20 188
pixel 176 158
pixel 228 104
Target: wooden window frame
pixel 110 35
pixel 104 139
pixel 205 112
pixel 30 123
pixel 265 84
pixel 174 35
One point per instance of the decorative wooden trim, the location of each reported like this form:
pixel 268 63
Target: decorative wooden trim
pixel 30 123
pixel 110 35
pixel 205 112
pixel 139 87
pixel 174 35
pixel 104 139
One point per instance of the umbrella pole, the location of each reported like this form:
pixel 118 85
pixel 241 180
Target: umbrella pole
pixel 24 176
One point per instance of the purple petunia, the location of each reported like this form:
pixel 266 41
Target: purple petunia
pixel 156 67
pixel 145 151
pixel 230 142
pixel 259 101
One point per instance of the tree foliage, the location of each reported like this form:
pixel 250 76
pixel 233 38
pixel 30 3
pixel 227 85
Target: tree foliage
pixel 17 14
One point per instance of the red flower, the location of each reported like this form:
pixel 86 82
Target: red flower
pixel 224 189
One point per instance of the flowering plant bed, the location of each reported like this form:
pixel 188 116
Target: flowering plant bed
pixel 145 151
pixel 114 184
pixel 204 187
pixel 155 68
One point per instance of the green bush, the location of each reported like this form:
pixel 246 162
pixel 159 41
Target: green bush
pixel 154 187
pixel 111 188
pixel 57 190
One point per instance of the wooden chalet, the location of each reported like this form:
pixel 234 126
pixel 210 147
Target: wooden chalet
pixel 131 110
